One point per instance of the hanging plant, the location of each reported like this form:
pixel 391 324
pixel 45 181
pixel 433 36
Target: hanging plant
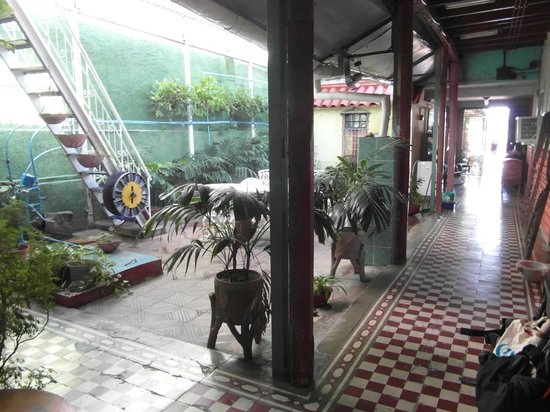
pixel 170 99
pixel 207 97
pixel 243 106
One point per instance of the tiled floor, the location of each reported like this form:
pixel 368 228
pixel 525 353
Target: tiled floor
pixel 397 348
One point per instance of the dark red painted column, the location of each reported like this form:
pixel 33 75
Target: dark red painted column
pixel 453 118
pixel 290 46
pixel 402 32
pixel 441 78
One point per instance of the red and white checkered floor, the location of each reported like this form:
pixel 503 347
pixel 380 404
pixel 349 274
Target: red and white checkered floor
pixel 405 354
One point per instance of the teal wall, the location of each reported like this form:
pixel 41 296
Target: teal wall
pixel 482 66
pixel 129 63
pixel 379 248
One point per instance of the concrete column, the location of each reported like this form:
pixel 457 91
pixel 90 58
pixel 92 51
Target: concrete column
pixel 290 74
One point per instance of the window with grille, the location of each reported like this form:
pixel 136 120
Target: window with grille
pixel 356 125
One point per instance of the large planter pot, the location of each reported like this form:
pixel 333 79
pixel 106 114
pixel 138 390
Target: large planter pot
pixel 19 400
pixel 234 303
pixel 233 298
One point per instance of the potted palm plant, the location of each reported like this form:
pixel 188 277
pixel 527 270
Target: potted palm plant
pixel 233 227
pixel 359 201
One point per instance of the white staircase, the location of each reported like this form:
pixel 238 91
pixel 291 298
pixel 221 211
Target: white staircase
pixel 53 68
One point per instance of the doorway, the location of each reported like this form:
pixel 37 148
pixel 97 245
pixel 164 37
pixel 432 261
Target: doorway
pixel 485 138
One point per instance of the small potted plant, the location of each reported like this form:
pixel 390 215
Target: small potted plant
pixel 323 287
pixel 416 200
pixel 89 268
pixel 107 242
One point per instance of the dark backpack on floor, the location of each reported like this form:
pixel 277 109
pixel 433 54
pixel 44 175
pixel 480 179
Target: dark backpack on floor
pixel 505 384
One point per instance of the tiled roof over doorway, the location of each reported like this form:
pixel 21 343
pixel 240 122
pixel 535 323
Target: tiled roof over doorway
pixel 361 88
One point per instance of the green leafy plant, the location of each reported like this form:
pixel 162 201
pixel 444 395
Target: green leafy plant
pixel 100 269
pixel 244 106
pixel 4 11
pixel 208 97
pixel 355 194
pixel 170 99
pixel 415 198
pixel 325 285
pixel 24 280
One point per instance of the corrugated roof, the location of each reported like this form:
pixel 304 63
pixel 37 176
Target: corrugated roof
pixel 362 88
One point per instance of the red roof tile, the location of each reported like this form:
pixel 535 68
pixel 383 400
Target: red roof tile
pixel 364 88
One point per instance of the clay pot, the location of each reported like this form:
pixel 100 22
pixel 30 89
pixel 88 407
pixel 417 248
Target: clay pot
pixel 72 140
pixel 53 118
pixel 90 160
pixel 233 298
pixel 109 247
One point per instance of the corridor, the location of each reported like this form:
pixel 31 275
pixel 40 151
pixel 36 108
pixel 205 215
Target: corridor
pixel 402 350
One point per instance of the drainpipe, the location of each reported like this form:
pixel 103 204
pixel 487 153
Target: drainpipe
pixel 384 101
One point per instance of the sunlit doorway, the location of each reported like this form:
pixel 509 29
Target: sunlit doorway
pixel 485 139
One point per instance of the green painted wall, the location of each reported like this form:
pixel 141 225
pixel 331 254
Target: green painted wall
pixel 129 63
pixel 379 248
pixel 482 66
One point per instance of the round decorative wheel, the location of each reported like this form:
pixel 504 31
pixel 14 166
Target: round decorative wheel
pixel 125 194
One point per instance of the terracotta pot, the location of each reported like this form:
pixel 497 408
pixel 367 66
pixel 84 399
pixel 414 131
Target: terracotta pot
pixel 19 400
pixel 53 118
pixel 109 247
pixel 90 160
pixel 72 140
pixel 413 210
pixel 234 297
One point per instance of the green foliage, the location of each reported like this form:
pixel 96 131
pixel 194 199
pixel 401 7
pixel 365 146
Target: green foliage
pixel 354 196
pixel 243 106
pixel 415 198
pixel 101 268
pixel 233 228
pixel 229 160
pixel 4 11
pixel 25 279
pixel 208 97
pixel 170 99
pixel 325 285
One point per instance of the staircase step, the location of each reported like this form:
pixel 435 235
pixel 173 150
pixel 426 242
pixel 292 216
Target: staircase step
pixel 90 172
pixel 44 93
pixel 29 70
pixel 6 18
pixel 19 44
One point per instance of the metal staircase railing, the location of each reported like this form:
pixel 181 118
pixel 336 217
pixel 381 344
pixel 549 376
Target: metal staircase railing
pixel 53 68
